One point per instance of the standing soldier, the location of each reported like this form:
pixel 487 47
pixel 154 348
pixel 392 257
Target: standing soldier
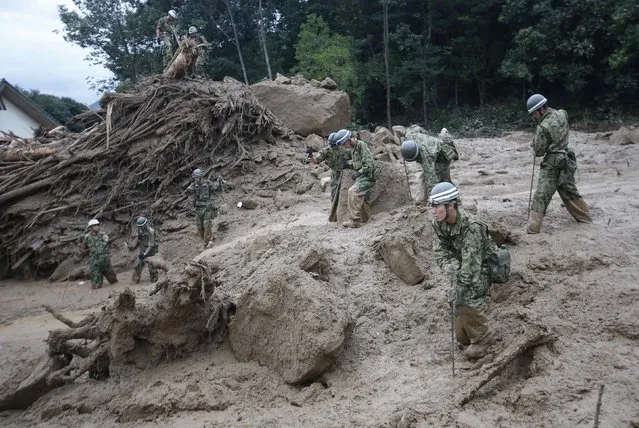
pixel 205 209
pixel 462 247
pixel 166 32
pixel 98 245
pixel 434 154
pixel 333 155
pixel 202 56
pixel 557 171
pixel 363 165
pixel 146 241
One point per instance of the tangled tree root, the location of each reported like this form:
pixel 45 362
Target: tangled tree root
pixel 182 313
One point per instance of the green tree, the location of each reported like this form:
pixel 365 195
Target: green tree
pixel 61 109
pixel 320 54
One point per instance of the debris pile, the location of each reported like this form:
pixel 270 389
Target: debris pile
pixel 135 157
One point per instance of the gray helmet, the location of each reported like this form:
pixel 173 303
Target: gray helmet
pixel 331 139
pixel 535 102
pixel 410 150
pixel 172 14
pixel 342 136
pixel 192 30
pixel 197 173
pixel 141 221
pixel 443 193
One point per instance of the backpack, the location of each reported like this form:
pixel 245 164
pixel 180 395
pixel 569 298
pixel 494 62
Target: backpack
pixel 499 262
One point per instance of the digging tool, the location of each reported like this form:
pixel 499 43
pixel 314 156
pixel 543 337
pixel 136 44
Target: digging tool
pixel 452 320
pixel 532 179
pixel 407 182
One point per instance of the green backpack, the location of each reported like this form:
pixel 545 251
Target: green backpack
pixel 499 261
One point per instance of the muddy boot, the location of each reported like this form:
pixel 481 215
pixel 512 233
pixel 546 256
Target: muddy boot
pixel 534 222
pixel 475 351
pixel 206 238
pixel 579 210
pixel 111 277
pixel 352 223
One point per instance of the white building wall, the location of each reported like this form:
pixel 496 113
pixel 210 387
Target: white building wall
pixel 15 120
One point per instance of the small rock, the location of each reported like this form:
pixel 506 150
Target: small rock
pixel 314 141
pixel 328 83
pixel 258 159
pixel 324 182
pixel 315 83
pixel 365 135
pixel 271 156
pixel 399 131
pixel 281 79
pixel 399 256
pixel 249 204
pixel 299 80
pixel 304 187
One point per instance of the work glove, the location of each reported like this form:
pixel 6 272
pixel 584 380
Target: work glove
pixel 355 175
pixel 142 256
pixel 345 164
pixel 309 151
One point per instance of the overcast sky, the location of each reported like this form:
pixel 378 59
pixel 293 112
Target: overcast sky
pixel 34 57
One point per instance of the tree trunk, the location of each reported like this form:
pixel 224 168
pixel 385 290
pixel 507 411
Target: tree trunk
pixel 426 34
pixel 456 94
pixel 237 40
pixel 386 54
pixel 263 38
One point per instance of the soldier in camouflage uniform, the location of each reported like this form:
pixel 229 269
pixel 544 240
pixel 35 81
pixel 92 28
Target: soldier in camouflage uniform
pixel 202 55
pixel 462 246
pixel 146 241
pixel 98 245
pixel 333 155
pixel 363 164
pixel 166 32
pixel 434 154
pixel 557 172
pixel 205 209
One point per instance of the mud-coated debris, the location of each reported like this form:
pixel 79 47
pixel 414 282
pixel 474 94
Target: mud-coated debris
pixel 282 80
pixel 399 255
pixel 624 136
pixel 304 186
pixel 290 324
pixel 399 130
pixel 315 262
pixel 383 136
pixel 315 83
pixel 315 142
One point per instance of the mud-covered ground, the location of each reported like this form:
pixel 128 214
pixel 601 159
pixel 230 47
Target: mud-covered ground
pixel 580 281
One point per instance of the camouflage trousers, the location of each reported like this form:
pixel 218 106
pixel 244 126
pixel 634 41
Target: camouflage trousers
pixel 554 176
pixel 100 267
pixel 139 267
pixel 167 50
pixel 358 195
pixel 201 63
pixel 471 325
pixel 204 221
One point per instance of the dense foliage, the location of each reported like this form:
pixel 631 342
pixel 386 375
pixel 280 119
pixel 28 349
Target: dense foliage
pixel 60 108
pixel 444 55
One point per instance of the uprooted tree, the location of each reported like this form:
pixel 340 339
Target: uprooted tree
pixel 181 313
pixel 135 157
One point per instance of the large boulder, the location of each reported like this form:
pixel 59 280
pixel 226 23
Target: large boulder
pixel 304 108
pixel 291 323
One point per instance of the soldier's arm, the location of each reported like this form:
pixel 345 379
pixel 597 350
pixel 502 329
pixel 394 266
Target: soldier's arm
pixel 541 141
pixel 151 242
pixel 367 160
pixel 442 254
pixel 472 255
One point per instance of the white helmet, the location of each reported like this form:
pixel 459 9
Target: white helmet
pixel 93 222
pixel 192 30
pixel 173 14
pixel 443 193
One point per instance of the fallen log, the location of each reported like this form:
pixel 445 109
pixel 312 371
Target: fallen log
pixel 532 338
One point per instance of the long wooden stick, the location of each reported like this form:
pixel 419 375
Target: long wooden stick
pixel 598 410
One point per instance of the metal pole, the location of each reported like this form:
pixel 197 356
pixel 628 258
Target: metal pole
pixel 532 179
pixel 452 321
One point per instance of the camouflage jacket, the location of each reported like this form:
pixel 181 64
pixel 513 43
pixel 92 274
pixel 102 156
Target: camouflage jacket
pixel 166 26
pixel 551 135
pixel 147 237
pixel 97 244
pixel 199 40
pixel 432 150
pixel 468 242
pixel 203 193
pixel 332 156
pixel 363 160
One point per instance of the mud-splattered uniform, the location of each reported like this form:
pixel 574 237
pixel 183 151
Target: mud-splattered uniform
pixel 100 264
pixel 146 238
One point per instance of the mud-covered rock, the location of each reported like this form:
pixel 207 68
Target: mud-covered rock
pixel 282 80
pixel 304 108
pixel 328 83
pixel 399 130
pixel 291 323
pixel 624 136
pixel 399 255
